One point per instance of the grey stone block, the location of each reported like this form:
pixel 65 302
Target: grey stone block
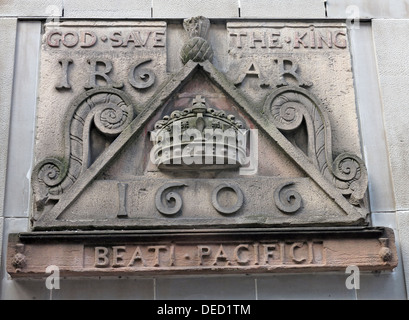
pixel 217 288
pixel 193 8
pixel 1 238
pixel 24 100
pixel 393 78
pixel 304 286
pixel 8 27
pixel 371 119
pixel 282 9
pixel 107 289
pixel 368 9
pixel 385 219
pixel 385 286
pixel 24 290
pixel 32 8
pixel 403 223
pixel 107 9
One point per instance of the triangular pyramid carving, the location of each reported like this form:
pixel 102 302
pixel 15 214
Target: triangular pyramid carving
pixel 319 192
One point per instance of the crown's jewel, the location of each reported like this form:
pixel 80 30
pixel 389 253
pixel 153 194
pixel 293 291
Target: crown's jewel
pixel 199 137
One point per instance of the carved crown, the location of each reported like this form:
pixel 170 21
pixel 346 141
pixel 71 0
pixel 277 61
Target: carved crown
pixel 199 137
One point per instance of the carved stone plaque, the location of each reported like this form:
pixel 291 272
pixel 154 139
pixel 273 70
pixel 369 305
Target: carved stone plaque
pixel 235 251
pixel 252 128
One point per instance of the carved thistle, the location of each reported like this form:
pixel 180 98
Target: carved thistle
pixel 197 48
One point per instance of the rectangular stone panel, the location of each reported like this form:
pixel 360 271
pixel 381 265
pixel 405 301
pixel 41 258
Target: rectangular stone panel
pixel 393 75
pixel 105 92
pixel 279 9
pixel 107 9
pixel 23 118
pixel 194 8
pixel 8 39
pixel 201 252
pixel 147 203
pixel 364 9
pixel 32 8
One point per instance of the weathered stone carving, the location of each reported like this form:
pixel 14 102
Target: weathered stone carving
pixel 199 137
pixel 173 201
pixel 107 147
pixel 19 260
pixel 141 78
pixel 227 209
pixel 241 165
pixel 198 252
pixel 288 109
pixel 287 200
pixel 196 48
pixel 385 252
pixel 203 114
pixel 110 110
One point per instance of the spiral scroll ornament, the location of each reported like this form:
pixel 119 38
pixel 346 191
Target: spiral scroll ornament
pixel 111 111
pixel 52 172
pixel 351 176
pixel 112 118
pixel 287 109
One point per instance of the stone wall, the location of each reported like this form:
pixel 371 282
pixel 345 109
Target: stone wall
pixel 380 75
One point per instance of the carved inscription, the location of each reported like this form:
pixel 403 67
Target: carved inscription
pixel 276 253
pixel 276 38
pixel 127 253
pixel 103 51
pixel 274 54
pixel 116 93
pixel 115 39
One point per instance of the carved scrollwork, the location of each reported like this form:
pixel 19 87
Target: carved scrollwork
pixel 288 109
pixel 51 172
pixel 287 115
pixel 224 209
pixel 111 111
pixel 286 199
pixel 113 116
pixel 169 202
pixel 351 176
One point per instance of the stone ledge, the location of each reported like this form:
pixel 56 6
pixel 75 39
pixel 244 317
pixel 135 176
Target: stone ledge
pixel 235 251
